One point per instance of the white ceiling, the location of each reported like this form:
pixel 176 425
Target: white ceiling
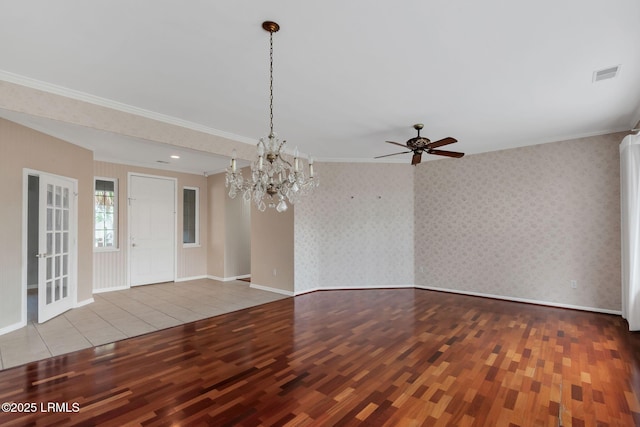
pixel 349 75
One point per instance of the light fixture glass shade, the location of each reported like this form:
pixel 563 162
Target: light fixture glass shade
pixel 274 181
pixel 282 206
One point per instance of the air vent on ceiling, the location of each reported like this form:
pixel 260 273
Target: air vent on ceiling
pixel 607 73
pixel 163 162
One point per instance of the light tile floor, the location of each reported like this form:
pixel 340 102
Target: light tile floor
pixel 122 314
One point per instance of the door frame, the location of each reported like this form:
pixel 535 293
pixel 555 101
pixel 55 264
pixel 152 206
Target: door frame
pixel 175 221
pixel 73 245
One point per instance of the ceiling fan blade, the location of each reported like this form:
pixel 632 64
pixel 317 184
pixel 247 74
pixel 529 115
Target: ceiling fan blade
pixel 440 143
pixel 397 143
pixel 417 157
pixel 446 153
pixel 387 155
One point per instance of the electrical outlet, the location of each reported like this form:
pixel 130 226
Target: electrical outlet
pixel 275 272
pixel 574 284
pixel 421 269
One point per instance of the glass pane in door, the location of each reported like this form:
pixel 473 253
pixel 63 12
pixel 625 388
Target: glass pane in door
pixel 49 291
pixel 49 195
pixel 57 243
pixel 58 196
pixel 56 246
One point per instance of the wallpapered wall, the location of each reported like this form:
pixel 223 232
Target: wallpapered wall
pixel 357 228
pixel 523 223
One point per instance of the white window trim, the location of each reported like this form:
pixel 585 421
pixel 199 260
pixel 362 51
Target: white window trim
pixel 116 223
pixel 197 242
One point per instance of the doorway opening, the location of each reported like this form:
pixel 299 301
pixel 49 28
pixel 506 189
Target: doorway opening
pixel 33 196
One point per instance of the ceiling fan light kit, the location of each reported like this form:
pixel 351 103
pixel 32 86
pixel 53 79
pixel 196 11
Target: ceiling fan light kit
pixel 272 175
pixel 420 144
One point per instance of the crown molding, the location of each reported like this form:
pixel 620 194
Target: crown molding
pixel 358 160
pixel 118 106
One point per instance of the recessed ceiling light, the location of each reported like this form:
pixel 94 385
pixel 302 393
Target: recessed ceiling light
pixel 175 156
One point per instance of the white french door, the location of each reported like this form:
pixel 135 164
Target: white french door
pixel 152 229
pixel 56 244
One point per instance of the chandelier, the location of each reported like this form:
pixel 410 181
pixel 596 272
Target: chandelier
pixel 272 175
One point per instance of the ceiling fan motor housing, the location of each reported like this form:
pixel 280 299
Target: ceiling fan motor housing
pixel 418 143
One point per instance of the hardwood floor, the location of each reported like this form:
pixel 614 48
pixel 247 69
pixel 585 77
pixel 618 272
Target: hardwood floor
pixel 376 357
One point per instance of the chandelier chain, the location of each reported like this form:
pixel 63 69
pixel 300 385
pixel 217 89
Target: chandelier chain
pixel 271 81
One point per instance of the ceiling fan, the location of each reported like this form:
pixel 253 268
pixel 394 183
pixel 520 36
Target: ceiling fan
pixel 419 144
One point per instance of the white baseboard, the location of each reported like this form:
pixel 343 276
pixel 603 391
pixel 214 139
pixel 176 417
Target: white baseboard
pixel 525 300
pixel 12 328
pixel 83 303
pixel 186 279
pixel 228 279
pixel 117 288
pixel 306 291
pixel 270 289
pixel 354 287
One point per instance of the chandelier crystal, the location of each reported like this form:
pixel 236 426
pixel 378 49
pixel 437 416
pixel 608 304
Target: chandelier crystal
pixel 272 175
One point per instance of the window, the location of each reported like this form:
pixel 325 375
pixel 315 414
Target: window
pixel 105 213
pixel 190 217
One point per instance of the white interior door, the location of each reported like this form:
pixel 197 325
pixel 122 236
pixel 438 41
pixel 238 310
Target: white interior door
pixel 152 229
pixel 56 242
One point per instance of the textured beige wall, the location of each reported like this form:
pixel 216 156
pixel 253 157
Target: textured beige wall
pixel 237 260
pixel 20 148
pixel 110 268
pixel 523 223
pixel 272 248
pixel 230 236
pixel 216 216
